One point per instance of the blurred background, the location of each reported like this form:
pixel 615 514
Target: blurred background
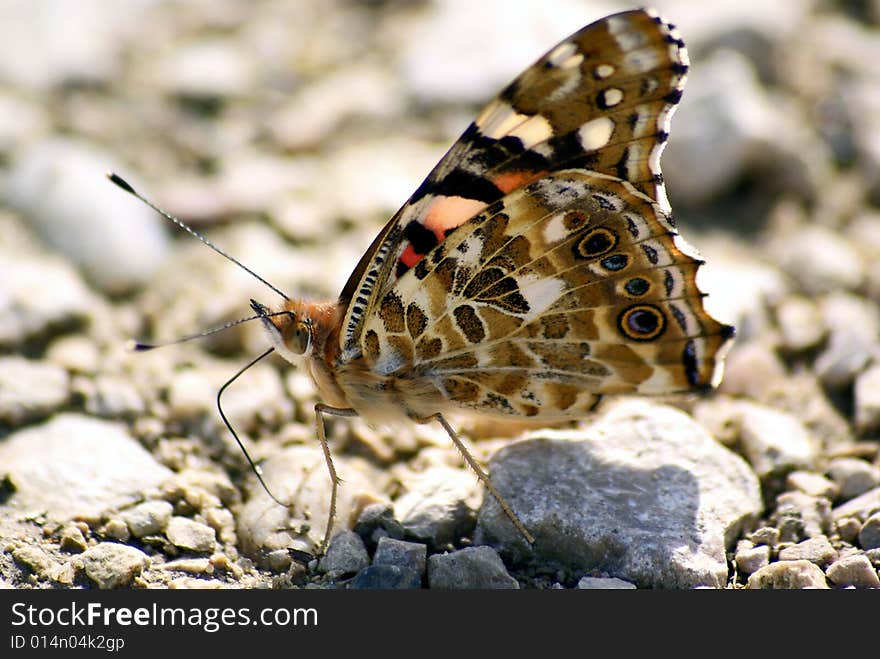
pixel 290 131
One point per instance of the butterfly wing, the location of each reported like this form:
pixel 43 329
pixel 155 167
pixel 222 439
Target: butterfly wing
pixel 599 101
pixel 573 286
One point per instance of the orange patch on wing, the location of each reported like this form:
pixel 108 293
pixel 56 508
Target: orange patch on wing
pixel 510 181
pixel 410 256
pixel 450 212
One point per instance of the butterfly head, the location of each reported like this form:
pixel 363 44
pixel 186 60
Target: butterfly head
pixel 290 331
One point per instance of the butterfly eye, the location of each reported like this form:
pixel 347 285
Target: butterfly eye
pixel 300 338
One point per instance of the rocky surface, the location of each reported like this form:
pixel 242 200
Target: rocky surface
pixel 289 133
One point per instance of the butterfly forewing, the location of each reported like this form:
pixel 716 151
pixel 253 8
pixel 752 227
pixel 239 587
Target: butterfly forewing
pixel 537 267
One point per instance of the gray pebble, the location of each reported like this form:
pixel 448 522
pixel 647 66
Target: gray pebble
pixel 619 496
pixel 438 508
pixel 385 577
pixel 115 529
pixel 30 389
pixel 854 324
pixel 766 535
pixel 854 570
pixel 800 516
pixel 800 323
pixel 377 521
pixel 749 558
pixel 788 575
pixel 775 442
pixel 298 475
pixel 853 476
pixel 118 242
pixel 867 400
pixel 45 294
pixel 36 560
pixel 410 555
pixel 848 529
pixel 188 534
pixel 72 539
pixel 147 518
pixel 346 554
pixel 869 535
pixel 604 583
pixel 861 507
pixel 77 467
pixel 112 565
pixel 469 568
pixel 812 484
pixel 817 550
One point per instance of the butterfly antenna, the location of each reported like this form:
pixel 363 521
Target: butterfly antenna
pixel 256 469
pixel 138 346
pixel 122 183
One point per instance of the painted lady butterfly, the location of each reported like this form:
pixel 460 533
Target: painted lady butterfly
pixel 535 269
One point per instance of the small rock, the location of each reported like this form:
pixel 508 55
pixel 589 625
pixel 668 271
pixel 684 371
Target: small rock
pixel 799 516
pixel 385 577
pixel 869 535
pixel 822 260
pixel 377 521
pixel 619 495
pixel 774 442
pixel 111 565
pixel 470 568
pixel 816 550
pixel 741 365
pixel 854 324
pixel 76 353
pixel 30 389
pixel 45 296
pixel 410 555
pixel 800 323
pixel 75 466
pixel 38 561
pixel 861 507
pixel 854 570
pixel 72 539
pixel 787 575
pixel 298 475
pixel 848 529
pixel 117 242
pixel 853 476
pixel 867 400
pixel 115 529
pixel 346 554
pixel 440 505
pixel 749 558
pixel 147 518
pixel 812 484
pixel 766 535
pixel 115 398
pixel 189 534
pixel 604 583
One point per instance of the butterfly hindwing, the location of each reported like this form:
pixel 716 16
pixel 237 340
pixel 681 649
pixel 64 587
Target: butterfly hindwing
pixel 573 286
pixel 600 100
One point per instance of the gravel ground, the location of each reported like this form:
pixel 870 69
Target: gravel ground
pixel 288 132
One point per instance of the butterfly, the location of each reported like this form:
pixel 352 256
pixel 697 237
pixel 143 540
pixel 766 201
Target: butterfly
pixel 537 267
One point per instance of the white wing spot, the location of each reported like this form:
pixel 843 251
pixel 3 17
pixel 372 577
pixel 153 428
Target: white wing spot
pixel 596 133
pixel 612 97
pixel 562 54
pixel 533 130
pixel 539 292
pixel 498 120
pixel 604 71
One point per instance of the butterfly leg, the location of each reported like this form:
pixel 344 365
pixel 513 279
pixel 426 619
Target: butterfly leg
pixel 482 475
pixel 320 410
